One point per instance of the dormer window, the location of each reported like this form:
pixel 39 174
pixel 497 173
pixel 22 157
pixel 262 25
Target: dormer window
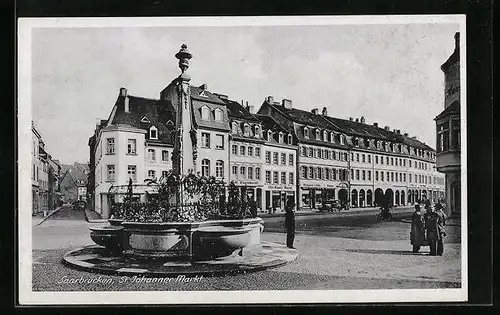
pixel 317 134
pixel 306 132
pixel 170 123
pixel 356 142
pixel 219 116
pixel 205 113
pixel 269 135
pixel 235 128
pixel 332 137
pixel 145 120
pixel 257 131
pixel 281 137
pixel 325 135
pixel 153 133
pixel 289 139
pixel 246 130
pixel 342 140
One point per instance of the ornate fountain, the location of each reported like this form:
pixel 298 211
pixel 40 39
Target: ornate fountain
pixel 201 224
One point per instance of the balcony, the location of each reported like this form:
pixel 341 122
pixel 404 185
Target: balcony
pixel 448 161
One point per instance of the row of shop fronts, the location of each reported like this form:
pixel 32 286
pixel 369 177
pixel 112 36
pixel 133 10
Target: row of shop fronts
pixel 319 197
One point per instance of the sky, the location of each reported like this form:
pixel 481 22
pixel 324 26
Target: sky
pixel 389 74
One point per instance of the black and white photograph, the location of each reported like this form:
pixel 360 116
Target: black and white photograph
pixel 291 159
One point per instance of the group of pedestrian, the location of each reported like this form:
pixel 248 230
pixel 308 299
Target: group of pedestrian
pixel 427 229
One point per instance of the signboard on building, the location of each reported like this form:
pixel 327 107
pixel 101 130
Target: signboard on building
pixel 280 187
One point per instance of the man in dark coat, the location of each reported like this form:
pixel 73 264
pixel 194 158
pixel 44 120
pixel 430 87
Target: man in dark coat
pixel 290 225
pixel 435 231
pixel 417 233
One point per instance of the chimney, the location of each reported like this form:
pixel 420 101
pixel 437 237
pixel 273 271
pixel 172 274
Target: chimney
pixel 246 103
pixel 97 122
pixel 324 112
pixel 357 120
pixel 123 92
pixel 387 128
pixel 398 131
pixel 270 99
pixel 350 118
pixel 363 119
pixel 126 104
pixel 250 108
pixel 286 103
pixel 314 111
pixel 457 40
pixel 375 124
pixel 204 87
pixel 406 134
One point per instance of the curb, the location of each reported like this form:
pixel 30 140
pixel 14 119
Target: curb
pixel 49 215
pixel 338 214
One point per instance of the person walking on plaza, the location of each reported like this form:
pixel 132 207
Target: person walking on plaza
pixel 417 232
pixel 435 231
pixel 290 224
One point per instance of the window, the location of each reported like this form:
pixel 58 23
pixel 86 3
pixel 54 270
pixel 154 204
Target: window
pixel 392 176
pixel 111 173
pixel 363 175
pixel 382 176
pixel 396 162
pixel 283 178
pixel 357 174
pixel 205 113
pixel 352 156
pixel 164 174
pixel 151 174
pixel 234 149
pixel 319 171
pixel 311 173
pixel 151 155
pixel 400 177
pixel 396 176
pixel 257 173
pixel 243 150
pixel 369 175
pixel 164 156
pixel 131 146
pixel 269 135
pixel 110 146
pixel 325 135
pixel 153 133
pixel 342 140
pixel 257 131
pixel 290 159
pixel 246 130
pixel 268 157
pixel 303 151
pixel 250 172
pixel 387 160
pixel 376 159
pixel 404 177
pixel 455 134
pixel 357 157
pixel 283 159
pixel 409 178
pixel 327 174
pixel 306 132
pixel 289 139
pixel 404 162
pixel 400 162
pixel 352 174
pixel 234 170
pixel 205 167
pixel 219 169
pixel 334 174
pixel 392 161
pixel 268 177
pixel 257 152
pixel 131 171
pixel 219 142
pixel 250 151
pixel 303 172
pixel 280 137
pixel 409 163
pixel 218 115
pixel 234 128
pixel 275 158
pixel 290 178
pixel 311 151
pixel 317 134
pixel 275 178
pixel 205 140
pixel 242 171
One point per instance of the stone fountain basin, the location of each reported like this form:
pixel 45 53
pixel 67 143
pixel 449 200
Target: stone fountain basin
pixel 182 240
pixel 112 237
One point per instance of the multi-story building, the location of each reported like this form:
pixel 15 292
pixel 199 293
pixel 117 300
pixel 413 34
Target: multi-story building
pixel 279 166
pixel 246 152
pixel 355 162
pixel 448 131
pixel 44 175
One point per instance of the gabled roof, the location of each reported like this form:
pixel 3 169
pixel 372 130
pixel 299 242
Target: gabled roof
pixel 237 111
pixel 209 97
pixel 140 107
pixel 454 108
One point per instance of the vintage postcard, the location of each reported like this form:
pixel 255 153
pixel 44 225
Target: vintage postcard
pixel 311 159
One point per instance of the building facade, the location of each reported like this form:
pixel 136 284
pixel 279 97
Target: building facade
pixel 354 162
pixel 448 132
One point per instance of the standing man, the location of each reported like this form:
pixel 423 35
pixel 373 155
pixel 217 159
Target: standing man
pixel 417 232
pixel 442 233
pixel 435 231
pixel 290 224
